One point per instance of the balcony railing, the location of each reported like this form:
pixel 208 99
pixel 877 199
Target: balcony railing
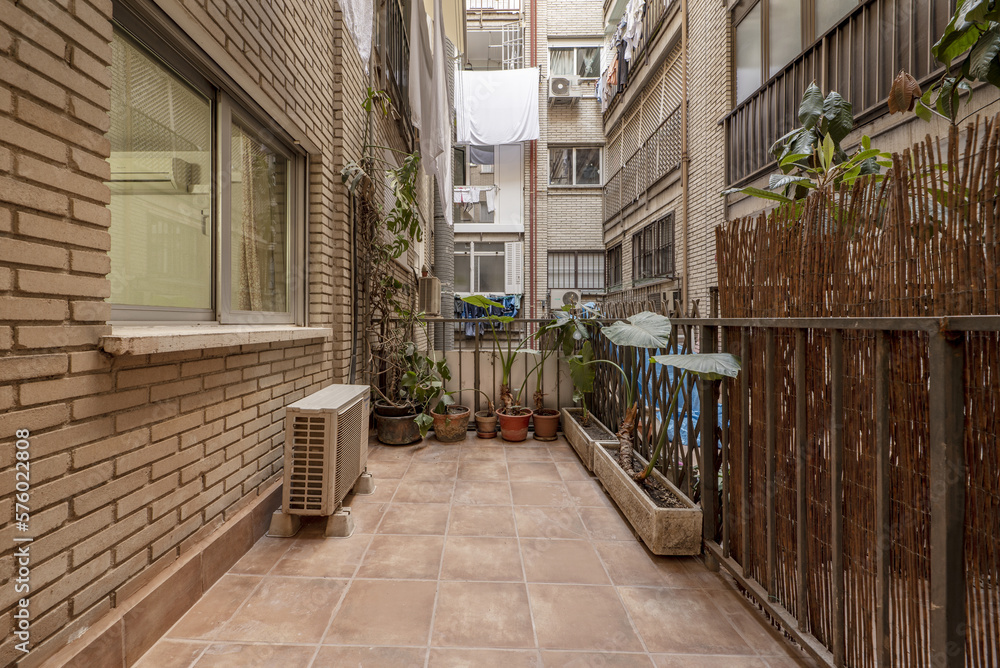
pixel 494 5
pixel 654 13
pixel 396 45
pixel 858 58
pixel 659 155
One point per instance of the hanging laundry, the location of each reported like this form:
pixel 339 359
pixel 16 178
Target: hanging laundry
pixel 491 200
pixel 497 107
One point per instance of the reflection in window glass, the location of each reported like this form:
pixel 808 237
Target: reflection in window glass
pixel 588 166
pixel 161 175
pixel 259 204
pixel 748 55
pixel 490 273
pixel 561 64
pixel 462 273
pixel 561 166
pixel 829 12
pixel 784 33
pixel 588 62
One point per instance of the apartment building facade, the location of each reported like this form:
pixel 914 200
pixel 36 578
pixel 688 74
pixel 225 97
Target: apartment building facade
pixel 176 252
pixel 542 240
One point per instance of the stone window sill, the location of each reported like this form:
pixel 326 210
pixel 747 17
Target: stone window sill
pixel 148 340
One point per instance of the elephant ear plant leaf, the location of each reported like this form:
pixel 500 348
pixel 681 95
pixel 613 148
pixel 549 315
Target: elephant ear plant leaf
pixel 508 356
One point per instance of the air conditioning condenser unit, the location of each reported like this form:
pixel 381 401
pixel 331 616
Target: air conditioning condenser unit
pixel 429 295
pixel 326 453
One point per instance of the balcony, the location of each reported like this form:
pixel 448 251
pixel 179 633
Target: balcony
pixel 494 5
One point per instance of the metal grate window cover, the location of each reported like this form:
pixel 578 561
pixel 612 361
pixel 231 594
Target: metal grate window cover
pixel 308 464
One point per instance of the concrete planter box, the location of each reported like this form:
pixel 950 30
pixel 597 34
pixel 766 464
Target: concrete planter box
pixel 666 531
pixel 579 439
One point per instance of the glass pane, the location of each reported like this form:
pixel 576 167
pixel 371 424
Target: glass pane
pixel 785 33
pixel 259 218
pixel 462 273
pixel 561 64
pixel 588 166
pixel 161 176
pixel 588 62
pixel 561 166
pixel 748 55
pixel 490 273
pixel 829 12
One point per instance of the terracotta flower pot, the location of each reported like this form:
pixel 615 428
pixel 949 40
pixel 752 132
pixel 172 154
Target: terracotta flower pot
pixel 450 427
pixel 486 424
pixel 546 424
pixel 514 428
pixel 397 430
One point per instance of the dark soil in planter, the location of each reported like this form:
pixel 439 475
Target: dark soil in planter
pixel 594 430
pixel 661 496
pixel 547 412
pixel 515 412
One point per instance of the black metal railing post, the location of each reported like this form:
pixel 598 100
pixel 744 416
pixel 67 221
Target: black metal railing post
pixel 708 418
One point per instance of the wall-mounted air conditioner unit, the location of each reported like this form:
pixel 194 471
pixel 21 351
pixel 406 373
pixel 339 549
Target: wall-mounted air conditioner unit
pixel 326 452
pixel 135 173
pixel 429 295
pixel 562 91
pixel 560 298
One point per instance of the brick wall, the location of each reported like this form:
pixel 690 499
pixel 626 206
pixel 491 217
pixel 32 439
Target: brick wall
pixel 136 458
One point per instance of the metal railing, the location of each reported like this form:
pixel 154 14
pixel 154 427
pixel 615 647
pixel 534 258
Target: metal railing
pixel 858 58
pixel 658 156
pixel 495 5
pixel 397 56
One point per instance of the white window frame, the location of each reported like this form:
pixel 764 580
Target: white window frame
pixel 172 58
pixel 576 45
pixel 513 255
pixel 575 186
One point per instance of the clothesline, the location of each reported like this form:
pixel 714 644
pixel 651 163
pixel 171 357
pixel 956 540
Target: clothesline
pixel 471 195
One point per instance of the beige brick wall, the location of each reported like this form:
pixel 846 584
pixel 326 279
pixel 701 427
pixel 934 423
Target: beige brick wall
pixel 136 458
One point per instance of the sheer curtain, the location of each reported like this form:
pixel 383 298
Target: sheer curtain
pixel 562 62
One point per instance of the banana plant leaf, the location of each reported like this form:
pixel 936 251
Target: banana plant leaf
pixel 711 366
pixel 643 330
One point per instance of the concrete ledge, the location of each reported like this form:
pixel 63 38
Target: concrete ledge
pixel 129 340
pixel 580 439
pixel 121 637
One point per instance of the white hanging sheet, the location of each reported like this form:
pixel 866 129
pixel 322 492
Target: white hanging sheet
pixel 358 19
pixel 497 107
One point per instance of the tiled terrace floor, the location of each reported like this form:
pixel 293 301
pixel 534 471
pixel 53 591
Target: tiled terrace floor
pixel 475 554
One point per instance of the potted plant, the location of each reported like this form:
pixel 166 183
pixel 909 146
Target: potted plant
pixel 486 421
pixel 451 422
pixel 402 416
pixel 514 418
pixel 672 523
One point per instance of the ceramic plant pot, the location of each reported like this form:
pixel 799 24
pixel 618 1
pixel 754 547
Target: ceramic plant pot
pixel 546 424
pixel 514 428
pixel 486 424
pixel 397 430
pixel 451 426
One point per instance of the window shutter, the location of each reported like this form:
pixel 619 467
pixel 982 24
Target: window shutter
pixel 514 267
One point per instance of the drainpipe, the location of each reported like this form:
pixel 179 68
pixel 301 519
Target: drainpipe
pixel 685 156
pixel 533 170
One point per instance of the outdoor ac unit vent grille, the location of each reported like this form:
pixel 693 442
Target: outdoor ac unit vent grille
pixel 349 455
pixel 309 454
pixel 560 87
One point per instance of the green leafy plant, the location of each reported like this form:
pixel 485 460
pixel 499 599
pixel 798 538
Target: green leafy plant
pixel 423 383
pixel 973 32
pixel 507 401
pixel 810 158
pixel 567 328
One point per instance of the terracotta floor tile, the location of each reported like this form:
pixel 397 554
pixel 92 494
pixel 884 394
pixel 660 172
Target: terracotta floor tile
pixel 562 561
pixel 283 609
pixel 606 524
pixel 542 522
pixel 482 558
pixel 322 557
pixel 588 493
pixel 595 659
pixel 431 471
pixel 527 453
pixel 788 662
pixel 577 617
pixel 384 489
pixel 482 453
pixel 763 639
pixel 562 453
pixel 262 556
pixel 384 612
pixel 170 654
pixel 630 563
pixel 533 471
pixel 480 470
pixel 540 494
pixel 481 493
pixel 215 607
pixel 382 453
pixel 706 661
pixel 482 614
pixel 682 621
pixel 573 470
pixel 403 557
pixel 424 491
pixel 481 521
pixel 415 518
pixel 370 657
pixel 389 468
pixel 436 452
pixel 483 658
pixel 367 517
pixel 228 655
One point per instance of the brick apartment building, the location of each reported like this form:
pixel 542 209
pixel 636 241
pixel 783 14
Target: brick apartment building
pixel 176 269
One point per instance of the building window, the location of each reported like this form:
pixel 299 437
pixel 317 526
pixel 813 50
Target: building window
pixel 769 34
pixel 614 267
pixel 581 270
pixel 580 62
pixel 204 201
pixel 575 166
pixel 653 250
pixel 479 267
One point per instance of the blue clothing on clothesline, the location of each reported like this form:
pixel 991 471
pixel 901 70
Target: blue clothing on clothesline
pixel 511 306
